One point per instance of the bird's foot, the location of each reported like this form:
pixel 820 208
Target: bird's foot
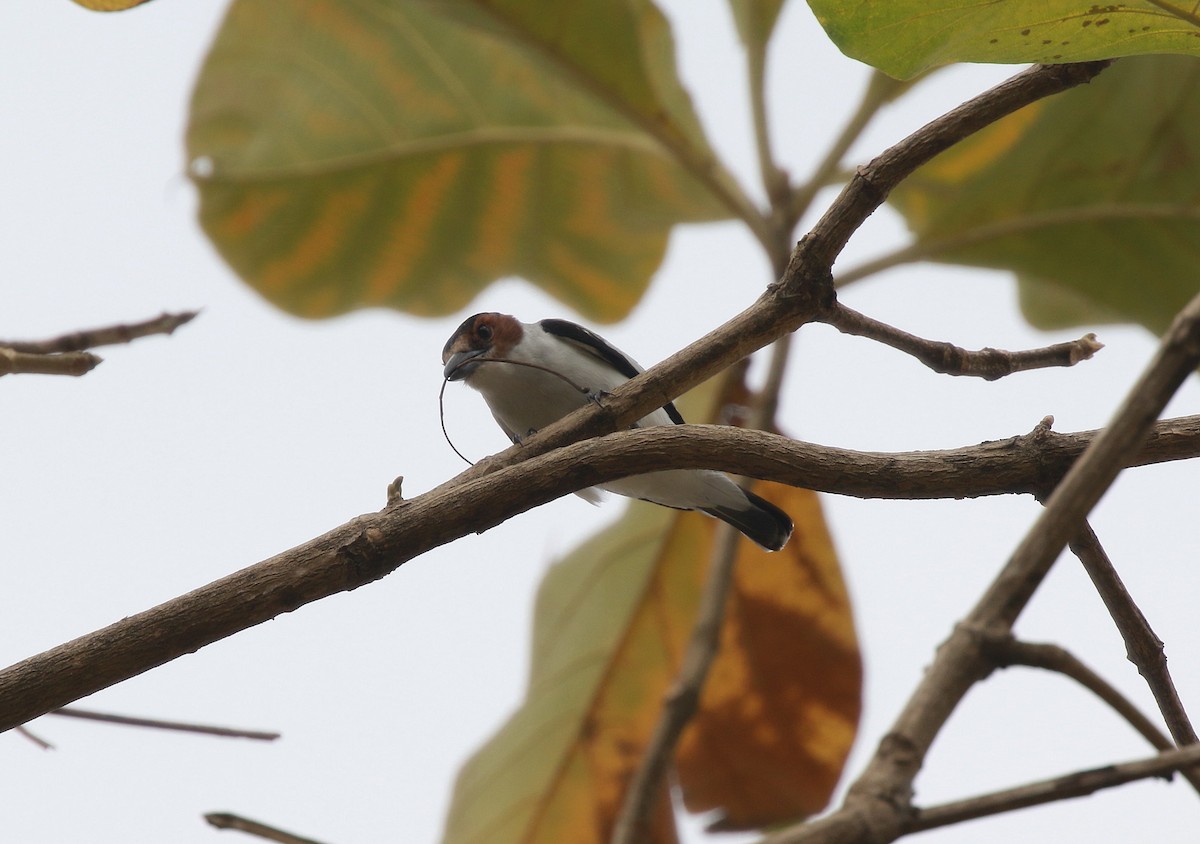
pixel 595 396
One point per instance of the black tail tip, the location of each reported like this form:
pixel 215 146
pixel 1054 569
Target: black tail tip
pixel 761 521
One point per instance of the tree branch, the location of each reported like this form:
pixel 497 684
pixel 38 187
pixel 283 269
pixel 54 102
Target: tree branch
pixel 1142 647
pixel 878 807
pixel 1006 651
pixel 109 335
pixel 13 362
pixel 804 291
pixel 225 820
pixel 948 359
pixel 158 724
pixel 373 545
pixel 1078 784
pixel 65 355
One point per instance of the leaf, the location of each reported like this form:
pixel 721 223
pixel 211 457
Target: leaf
pixel 409 154
pixel 1091 196
pixel 556 771
pixel 780 709
pixel 755 19
pixel 610 627
pixel 110 5
pixel 905 37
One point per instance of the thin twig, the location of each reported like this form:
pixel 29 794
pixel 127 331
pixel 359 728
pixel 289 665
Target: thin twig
pixel 684 697
pixel 33 737
pixel 110 335
pixel 159 724
pixel 1078 784
pixel 948 359
pixel 70 363
pixel 1006 651
pixel 225 820
pixel 1142 647
pixel 881 89
pixel 774 178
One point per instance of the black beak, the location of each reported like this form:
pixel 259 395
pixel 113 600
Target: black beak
pixel 458 368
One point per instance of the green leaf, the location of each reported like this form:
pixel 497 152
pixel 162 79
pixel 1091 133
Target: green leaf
pixel 1094 195
pixel 905 37
pixel 409 154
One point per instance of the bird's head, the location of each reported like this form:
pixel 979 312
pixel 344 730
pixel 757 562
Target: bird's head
pixel 480 337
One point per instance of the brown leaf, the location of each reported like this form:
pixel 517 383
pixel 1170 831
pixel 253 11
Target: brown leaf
pixel 779 712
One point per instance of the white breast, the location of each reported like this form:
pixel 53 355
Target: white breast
pixel 525 399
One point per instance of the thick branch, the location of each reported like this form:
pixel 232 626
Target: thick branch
pixel 373 545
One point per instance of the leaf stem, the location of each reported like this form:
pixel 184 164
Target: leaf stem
pixel 881 89
pixel 978 235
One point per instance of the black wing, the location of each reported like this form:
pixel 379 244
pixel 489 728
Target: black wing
pixel 603 349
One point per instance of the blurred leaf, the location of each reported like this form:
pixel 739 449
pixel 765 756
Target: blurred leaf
pixel 904 37
pixel 611 625
pixel 1048 306
pixel 755 19
pixel 110 5
pixel 409 154
pixel 780 709
pixel 1092 194
pixel 556 771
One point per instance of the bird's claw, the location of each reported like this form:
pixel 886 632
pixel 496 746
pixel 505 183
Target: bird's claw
pixel 594 396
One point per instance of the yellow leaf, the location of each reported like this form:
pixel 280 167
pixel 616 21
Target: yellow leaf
pixel 110 5
pixel 407 155
pixel 780 709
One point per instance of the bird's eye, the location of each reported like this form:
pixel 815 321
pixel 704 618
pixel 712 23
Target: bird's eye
pixel 483 332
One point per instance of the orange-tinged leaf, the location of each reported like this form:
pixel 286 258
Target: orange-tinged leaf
pixel 110 5
pixel 611 625
pixel 780 709
pixel 409 154
pixel 556 771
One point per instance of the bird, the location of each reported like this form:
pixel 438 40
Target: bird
pixel 556 366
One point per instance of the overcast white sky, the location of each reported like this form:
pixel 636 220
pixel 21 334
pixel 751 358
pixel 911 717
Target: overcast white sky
pixel 180 460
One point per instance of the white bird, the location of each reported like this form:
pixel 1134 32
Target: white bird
pixel 558 367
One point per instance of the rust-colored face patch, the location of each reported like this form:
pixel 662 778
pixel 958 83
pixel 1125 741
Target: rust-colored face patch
pixel 488 332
